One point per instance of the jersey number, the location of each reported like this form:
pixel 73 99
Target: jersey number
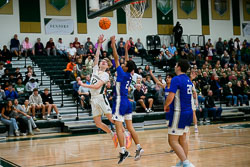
pixel 94 81
pixel 189 89
pixel 127 85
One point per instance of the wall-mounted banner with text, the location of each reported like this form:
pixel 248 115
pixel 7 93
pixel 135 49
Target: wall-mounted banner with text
pixel 59 26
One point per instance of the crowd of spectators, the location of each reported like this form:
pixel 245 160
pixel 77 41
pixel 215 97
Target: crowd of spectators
pixel 222 72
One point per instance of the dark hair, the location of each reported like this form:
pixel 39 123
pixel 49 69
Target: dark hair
pixel 130 66
pixel 35 89
pixel 170 75
pixel 184 65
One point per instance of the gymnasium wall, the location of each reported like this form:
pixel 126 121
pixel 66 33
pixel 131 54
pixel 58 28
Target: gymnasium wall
pixel 10 25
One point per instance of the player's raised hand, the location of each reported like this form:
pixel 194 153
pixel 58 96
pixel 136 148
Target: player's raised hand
pixel 126 45
pixel 193 75
pixel 101 39
pixel 112 39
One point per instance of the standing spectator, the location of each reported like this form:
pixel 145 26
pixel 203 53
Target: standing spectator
pixel 141 99
pixel 205 83
pixel 239 92
pixel 231 46
pixel 49 103
pixel 209 43
pixel 210 107
pixel 226 46
pixel 39 48
pixel 88 43
pixel 36 104
pixel 15 46
pixel 61 48
pixel 229 94
pixel 71 51
pixel 177 30
pixel 219 47
pixel 6 56
pixel 7 119
pixel 50 47
pixel 27 48
pixel 11 93
pixel 76 44
pixel 31 85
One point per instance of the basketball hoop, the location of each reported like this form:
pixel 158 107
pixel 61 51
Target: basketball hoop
pixel 134 12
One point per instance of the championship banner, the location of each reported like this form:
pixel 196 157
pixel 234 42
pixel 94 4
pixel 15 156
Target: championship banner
pixel 58 7
pixel 246 10
pixel 220 9
pixel 165 18
pixel 59 26
pixel 205 17
pixel 246 29
pixel 6 6
pixel 187 9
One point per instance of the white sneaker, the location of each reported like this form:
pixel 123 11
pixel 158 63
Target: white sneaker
pixel 48 118
pixel 179 164
pixel 150 110
pixel 189 164
pixel 23 134
pixel 147 110
pixel 207 121
pixel 59 117
pixel 17 133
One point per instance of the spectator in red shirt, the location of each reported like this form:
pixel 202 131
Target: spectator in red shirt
pixel 50 47
pixel 76 44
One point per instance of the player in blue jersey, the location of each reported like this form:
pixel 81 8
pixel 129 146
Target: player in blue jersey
pixel 122 109
pixel 181 114
pixel 166 88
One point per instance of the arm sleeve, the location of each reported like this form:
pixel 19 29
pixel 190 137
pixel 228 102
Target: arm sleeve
pixel 174 85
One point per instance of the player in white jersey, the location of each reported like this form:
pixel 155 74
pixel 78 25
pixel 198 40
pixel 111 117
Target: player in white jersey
pixel 99 101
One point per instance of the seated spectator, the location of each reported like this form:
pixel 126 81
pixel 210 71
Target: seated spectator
pixel 71 51
pixel 69 68
pixel 146 70
pixel 6 56
pixel 183 55
pixel 6 75
pixel 91 50
pixel 121 50
pixel 89 64
pixel 131 98
pixel 26 118
pixel 15 46
pixel 18 73
pixel 76 88
pixel 2 97
pixel 163 48
pixel 109 93
pixel 161 59
pixel 76 44
pixel 246 89
pixel 11 93
pixel 1 69
pixel 131 47
pixel 229 94
pixel 172 49
pixel 121 41
pixel 74 74
pixel 239 92
pixel 140 47
pixel 50 47
pixel 149 83
pixel 12 79
pixel 31 85
pixel 186 49
pixel 141 99
pixel 39 48
pixel 216 87
pixel 81 52
pixel 30 70
pixel 19 87
pixel 7 119
pixel 27 48
pixel 210 107
pixel 84 72
pixel 205 83
pixel 36 103
pixel 88 43
pixel 49 103
pixel 79 65
pixel 84 96
pixel 27 78
pixel 61 48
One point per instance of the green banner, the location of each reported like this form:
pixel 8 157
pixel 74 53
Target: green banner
pixel 165 16
pixel 205 17
pixel 236 17
pixel 81 12
pixel 121 21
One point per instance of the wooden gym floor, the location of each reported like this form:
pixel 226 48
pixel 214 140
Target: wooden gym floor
pixel 212 147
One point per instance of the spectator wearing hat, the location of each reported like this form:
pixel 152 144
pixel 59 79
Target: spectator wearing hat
pixel 31 85
pixel 49 103
pixel 36 103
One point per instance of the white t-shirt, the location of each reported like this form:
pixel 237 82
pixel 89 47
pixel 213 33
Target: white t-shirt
pixel 97 76
pixel 71 51
pixel 2 72
pixel 60 46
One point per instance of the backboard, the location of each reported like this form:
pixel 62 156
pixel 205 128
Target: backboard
pixel 99 7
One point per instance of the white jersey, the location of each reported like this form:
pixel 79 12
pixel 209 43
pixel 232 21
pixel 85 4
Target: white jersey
pixel 97 76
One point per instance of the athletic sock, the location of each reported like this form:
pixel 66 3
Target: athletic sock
pixel 195 126
pixel 138 146
pixel 123 149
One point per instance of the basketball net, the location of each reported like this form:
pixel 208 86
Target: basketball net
pixel 134 12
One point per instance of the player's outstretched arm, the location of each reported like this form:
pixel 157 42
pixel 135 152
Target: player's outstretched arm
pixel 169 100
pixel 100 41
pixel 126 51
pixel 115 55
pixel 156 80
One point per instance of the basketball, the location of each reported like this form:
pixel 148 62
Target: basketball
pixel 104 23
